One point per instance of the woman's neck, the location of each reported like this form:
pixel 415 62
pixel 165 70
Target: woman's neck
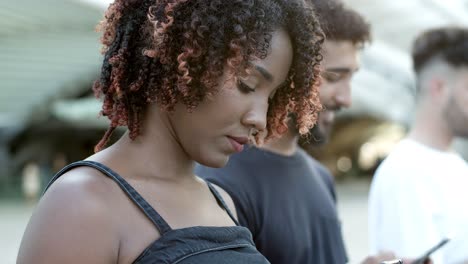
pixel 155 153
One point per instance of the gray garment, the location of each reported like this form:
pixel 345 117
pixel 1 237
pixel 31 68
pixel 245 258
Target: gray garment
pixel 288 203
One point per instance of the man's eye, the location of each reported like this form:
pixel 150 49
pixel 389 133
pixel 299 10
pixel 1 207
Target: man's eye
pixel 244 87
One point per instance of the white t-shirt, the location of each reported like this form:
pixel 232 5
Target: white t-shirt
pixel 419 196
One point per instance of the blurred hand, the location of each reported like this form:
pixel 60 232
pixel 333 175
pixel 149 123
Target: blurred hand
pixel 410 261
pixel 388 255
pixel 377 259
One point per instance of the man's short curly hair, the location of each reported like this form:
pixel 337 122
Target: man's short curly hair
pixel 448 43
pixel 175 51
pixel 340 23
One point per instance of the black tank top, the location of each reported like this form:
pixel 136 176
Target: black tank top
pixel 197 244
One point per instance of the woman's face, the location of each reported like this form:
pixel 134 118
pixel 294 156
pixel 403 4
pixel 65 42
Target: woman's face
pixel 220 125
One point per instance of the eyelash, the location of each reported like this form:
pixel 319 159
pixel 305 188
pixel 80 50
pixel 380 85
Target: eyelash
pixel 244 87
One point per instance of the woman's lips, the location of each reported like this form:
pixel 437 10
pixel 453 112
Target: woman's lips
pixel 238 143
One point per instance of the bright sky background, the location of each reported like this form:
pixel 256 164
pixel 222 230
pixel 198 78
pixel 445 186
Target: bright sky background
pixel 101 3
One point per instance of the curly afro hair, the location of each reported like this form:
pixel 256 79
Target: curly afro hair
pixel 448 43
pixel 174 51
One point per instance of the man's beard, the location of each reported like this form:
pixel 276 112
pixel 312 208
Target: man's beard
pixel 320 133
pixel 456 119
pixel 318 136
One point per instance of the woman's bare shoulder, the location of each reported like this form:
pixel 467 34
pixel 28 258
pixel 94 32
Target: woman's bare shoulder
pixel 73 222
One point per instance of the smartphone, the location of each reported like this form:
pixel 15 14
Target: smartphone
pixel 426 255
pixel 395 261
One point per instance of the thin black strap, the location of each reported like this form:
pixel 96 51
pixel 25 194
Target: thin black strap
pixel 221 202
pixel 147 209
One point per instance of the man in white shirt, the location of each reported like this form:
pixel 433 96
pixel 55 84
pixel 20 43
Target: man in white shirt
pixel 419 194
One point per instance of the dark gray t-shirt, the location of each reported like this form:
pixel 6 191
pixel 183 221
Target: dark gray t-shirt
pixel 287 202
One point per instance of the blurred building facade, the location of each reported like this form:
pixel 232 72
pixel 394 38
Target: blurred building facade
pixel 383 90
pixel 49 53
pixel 49 57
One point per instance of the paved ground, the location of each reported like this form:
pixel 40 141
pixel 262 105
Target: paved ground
pixel 13 219
pixel 352 208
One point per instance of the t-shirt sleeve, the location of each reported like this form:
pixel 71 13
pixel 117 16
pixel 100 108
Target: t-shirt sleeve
pixel 225 179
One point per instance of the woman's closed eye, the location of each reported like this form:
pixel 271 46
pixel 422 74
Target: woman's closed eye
pixel 244 87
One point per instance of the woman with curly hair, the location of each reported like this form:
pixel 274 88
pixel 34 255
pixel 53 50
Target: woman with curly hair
pixel 193 81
